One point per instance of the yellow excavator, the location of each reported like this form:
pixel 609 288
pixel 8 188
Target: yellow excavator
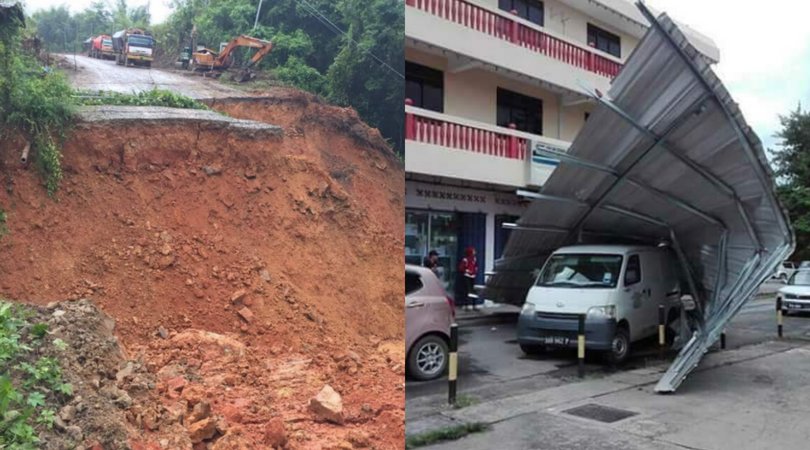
pixel 212 63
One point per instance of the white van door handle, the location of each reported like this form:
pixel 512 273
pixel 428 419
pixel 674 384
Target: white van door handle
pixel 415 305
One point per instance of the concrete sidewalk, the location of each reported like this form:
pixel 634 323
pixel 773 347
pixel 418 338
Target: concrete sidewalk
pixel 753 397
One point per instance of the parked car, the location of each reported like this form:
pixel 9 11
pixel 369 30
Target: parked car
pixel 617 287
pixel 804 265
pixel 786 270
pixel 796 294
pixel 429 312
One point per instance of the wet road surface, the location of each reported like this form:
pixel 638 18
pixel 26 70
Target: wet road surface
pixel 104 75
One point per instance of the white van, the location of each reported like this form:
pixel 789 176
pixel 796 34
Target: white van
pixel 617 287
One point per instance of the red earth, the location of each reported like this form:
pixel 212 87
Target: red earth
pixel 271 267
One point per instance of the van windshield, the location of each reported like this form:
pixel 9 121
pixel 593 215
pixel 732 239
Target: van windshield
pixel 581 271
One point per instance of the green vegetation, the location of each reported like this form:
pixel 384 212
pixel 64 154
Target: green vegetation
pixel 64 32
pixel 155 97
pixel 792 166
pixel 28 405
pixel 361 68
pixel 3 225
pixel 464 400
pixel 36 103
pixel 444 434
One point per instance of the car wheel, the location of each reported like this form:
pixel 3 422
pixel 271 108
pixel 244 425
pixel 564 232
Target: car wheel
pixel 532 349
pixel 619 347
pixel 785 312
pixel 428 358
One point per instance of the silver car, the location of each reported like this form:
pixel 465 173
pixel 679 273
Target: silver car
pixel 429 312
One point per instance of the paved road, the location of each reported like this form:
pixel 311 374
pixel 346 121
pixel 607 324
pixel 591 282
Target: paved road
pixel 492 365
pixel 104 75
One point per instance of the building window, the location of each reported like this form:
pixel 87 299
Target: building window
pixel 604 40
pixel 524 111
pixel 531 10
pixel 425 86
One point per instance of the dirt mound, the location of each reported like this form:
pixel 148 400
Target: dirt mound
pixel 192 235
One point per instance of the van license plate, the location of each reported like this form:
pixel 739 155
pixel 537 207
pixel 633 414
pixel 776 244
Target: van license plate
pixel 555 340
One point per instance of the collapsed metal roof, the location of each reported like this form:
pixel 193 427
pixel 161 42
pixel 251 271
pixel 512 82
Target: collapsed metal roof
pixel 665 156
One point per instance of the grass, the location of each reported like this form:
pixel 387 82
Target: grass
pixel 154 97
pixel 450 433
pixel 31 385
pixel 464 400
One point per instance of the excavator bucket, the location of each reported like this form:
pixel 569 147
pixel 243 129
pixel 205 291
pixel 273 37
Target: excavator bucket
pixel 667 158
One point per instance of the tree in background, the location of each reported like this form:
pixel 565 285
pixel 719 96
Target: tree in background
pixel 64 32
pixel 350 52
pixel 310 50
pixel 792 165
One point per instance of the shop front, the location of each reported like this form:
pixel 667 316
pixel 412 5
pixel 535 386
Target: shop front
pixel 449 219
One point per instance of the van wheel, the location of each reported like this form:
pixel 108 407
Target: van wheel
pixel 531 349
pixel 619 347
pixel 428 358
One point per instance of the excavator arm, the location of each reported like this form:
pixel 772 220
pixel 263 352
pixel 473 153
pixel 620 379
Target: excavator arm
pixel 244 41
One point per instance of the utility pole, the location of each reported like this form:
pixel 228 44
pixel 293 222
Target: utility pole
pixel 75 38
pixel 256 22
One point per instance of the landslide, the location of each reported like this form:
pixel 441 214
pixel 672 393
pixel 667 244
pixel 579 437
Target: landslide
pixel 199 236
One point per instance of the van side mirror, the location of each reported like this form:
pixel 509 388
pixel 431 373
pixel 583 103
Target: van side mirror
pixel 688 302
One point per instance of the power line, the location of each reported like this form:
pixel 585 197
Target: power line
pixel 329 24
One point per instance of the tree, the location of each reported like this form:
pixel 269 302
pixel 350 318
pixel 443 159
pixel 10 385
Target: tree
pixel 792 165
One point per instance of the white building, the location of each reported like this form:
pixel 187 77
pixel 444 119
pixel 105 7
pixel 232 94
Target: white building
pixel 484 78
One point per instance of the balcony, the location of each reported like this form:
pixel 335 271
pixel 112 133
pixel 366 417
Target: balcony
pixel 442 145
pixel 460 25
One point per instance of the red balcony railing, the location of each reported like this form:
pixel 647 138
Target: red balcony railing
pixel 446 133
pixel 502 27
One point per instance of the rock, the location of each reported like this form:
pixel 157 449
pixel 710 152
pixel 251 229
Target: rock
pixel 327 405
pixel 265 275
pixel 122 374
pixel 202 430
pixel 119 397
pixel 68 413
pixel 359 439
pixel 164 262
pixel 165 249
pixel 238 295
pixel 246 314
pixel 75 433
pixel 58 313
pixel 250 173
pixel 163 333
pixel 275 436
pixel 212 170
pixel 354 357
pixel 200 411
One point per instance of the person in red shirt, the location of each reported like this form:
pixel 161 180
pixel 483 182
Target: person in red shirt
pixel 468 269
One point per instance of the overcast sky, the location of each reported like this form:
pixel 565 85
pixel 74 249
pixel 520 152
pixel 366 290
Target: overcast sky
pixel 159 8
pixel 764 50
pixel 764 53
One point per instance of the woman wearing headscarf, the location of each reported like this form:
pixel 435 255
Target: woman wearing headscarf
pixel 468 269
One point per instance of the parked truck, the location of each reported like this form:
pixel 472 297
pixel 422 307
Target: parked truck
pixel 101 47
pixel 133 46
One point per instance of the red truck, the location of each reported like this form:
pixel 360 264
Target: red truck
pixel 101 47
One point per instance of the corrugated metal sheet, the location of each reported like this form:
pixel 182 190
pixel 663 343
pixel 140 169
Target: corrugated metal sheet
pixel 666 156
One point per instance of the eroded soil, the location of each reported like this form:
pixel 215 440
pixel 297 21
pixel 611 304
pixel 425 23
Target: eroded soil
pixel 243 272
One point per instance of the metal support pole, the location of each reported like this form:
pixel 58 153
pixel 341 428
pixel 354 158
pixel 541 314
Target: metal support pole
pixel 452 372
pixel 723 340
pixel 581 346
pixel 779 316
pixel 662 338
